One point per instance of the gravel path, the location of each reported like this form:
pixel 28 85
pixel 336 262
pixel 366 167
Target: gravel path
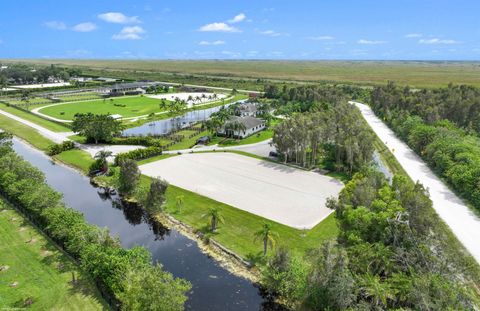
pixel 462 221
pixel 290 196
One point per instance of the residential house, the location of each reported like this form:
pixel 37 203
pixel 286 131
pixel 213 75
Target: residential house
pixel 241 127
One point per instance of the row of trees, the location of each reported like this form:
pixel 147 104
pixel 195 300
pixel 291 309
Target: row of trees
pixel 386 256
pixel 431 128
pixel 127 275
pixel 21 73
pixel 335 134
pixel 458 103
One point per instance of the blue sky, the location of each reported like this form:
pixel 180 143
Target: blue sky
pixel 248 29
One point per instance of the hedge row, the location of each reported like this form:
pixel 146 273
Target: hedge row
pixel 139 154
pixel 59 148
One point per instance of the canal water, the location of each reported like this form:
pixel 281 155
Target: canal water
pixel 214 288
pixel 163 127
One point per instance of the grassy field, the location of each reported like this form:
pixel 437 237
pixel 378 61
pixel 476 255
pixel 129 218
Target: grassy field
pixel 77 158
pixel 35 119
pixel 415 73
pixel 126 107
pixel 39 271
pixel 25 132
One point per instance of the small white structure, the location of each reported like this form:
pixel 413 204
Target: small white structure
pixel 242 127
pixel 246 110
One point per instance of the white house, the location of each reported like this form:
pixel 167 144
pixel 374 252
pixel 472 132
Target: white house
pixel 246 110
pixel 242 127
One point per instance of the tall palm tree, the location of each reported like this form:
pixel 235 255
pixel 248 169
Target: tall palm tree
pixel 215 218
pixel 102 156
pixel 267 236
pixel 179 200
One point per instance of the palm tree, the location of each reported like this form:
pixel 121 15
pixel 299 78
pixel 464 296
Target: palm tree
pixel 102 156
pixel 198 99
pixel 179 200
pixel 215 218
pixel 266 236
pixel 214 96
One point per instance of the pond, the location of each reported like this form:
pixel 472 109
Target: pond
pixel 214 288
pixel 163 127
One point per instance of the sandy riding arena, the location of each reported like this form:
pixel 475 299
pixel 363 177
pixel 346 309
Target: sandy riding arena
pixel 283 194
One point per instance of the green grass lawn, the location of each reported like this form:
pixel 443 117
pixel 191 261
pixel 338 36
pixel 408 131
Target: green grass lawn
pixel 134 106
pixel 77 158
pixel 187 142
pixel 25 132
pixel 35 119
pixel 40 270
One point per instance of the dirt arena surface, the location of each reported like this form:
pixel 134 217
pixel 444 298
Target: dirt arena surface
pixel 277 192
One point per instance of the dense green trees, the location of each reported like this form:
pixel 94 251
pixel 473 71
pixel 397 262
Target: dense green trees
pixel 338 135
pixel 156 195
pixel 129 176
pixel 426 119
pixel 96 127
pixel 458 103
pixel 21 73
pixel 126 275
pixel 387 255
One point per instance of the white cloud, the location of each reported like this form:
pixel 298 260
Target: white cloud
pixel 438 41
pixel 219 27
pixel 271 33
pixel 218 42
pixel 321 38
pixel 413 35
pixel 84 27
pixel 55 25
pixel 372 42
pixel 231 54
pixel 237 19
pixel 118 18
pixel 129 33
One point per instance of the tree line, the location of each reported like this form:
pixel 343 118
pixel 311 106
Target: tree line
pixel 330 131
pixel 126 275
pixel 441 126
pixel 386 255
pixel 22 74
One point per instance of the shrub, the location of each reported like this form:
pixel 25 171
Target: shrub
pixel 138 154
pixel 59 148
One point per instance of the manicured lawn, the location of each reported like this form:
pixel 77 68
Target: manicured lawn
pixel 35 119
pixel 76 158
pixel 134 106
pixel 38 270
pixel 153 159
pixel 188 142
pixel 25 132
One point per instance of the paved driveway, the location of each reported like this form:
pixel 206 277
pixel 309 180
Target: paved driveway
pixel 280 193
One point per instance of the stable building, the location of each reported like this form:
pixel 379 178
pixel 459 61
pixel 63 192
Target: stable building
pixel 241 127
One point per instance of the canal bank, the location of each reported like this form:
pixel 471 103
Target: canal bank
pixel 214 288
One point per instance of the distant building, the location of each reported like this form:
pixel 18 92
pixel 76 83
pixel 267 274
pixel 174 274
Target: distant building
pixel 246 110
pixel 106 80
pixel 132 88
pixel 241 127
pixel 81 79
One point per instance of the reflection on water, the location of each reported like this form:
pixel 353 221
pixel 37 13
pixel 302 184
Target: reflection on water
pixel 163 127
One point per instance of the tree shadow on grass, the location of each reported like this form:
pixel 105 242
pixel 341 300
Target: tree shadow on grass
pixel 256 259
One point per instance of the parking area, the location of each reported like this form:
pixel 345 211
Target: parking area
pixel 290 196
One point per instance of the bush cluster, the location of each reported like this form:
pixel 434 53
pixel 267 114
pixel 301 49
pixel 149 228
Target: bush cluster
pixel 59 148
